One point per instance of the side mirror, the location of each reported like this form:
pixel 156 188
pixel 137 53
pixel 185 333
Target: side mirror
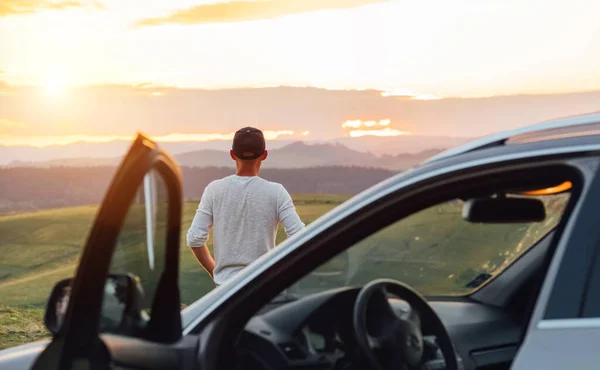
pixel 121 306
pixel 56 308
pixel 504 210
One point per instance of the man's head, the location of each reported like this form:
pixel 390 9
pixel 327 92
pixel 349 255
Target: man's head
pixel 249 146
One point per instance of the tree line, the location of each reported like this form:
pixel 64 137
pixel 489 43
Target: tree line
pixel 30 188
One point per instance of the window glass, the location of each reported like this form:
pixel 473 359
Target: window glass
pixel 140 247
pixel 436 251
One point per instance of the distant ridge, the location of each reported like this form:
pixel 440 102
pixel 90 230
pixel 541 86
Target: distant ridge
pixel 32 188
pixel 295 155
pixel 377 145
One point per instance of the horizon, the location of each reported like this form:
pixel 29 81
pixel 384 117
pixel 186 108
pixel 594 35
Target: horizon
pixel 283 141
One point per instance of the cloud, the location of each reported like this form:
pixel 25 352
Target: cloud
pixel 406 93
pixel 380 132
pixel 360 128
pixel 5 88
pixel 19 7
pixel 8 126
pixel 357 123
pixel 240 11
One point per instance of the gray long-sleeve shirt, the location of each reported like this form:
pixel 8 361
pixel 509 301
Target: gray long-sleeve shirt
pixel 245 212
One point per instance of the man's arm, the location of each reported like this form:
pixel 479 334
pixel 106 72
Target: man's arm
pixel 203 256
pixel 197 235
pixel 287 213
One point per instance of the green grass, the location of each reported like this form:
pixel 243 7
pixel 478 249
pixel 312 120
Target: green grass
pixel 37 249
pixel 435 250
pixel 19 325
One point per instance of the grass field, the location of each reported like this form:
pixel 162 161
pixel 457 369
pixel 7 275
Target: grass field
pixel 38 249
pixel 434 250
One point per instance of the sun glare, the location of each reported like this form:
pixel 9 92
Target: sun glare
pixel 55 85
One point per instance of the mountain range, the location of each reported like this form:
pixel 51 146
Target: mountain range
pixel 34 188
pixel 295 155
pixel 89 152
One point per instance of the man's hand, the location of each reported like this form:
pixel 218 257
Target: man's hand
pixel 203 256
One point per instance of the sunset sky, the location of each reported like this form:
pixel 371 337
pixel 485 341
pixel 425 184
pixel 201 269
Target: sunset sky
pixel 101 69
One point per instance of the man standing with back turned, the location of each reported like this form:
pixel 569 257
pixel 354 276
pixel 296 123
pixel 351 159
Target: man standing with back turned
pixel 245 211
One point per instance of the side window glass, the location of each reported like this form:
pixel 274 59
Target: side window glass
pixel 138 258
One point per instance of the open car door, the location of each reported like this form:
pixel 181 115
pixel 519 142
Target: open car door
pixel 108 315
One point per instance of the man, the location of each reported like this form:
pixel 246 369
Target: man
pixel 245 211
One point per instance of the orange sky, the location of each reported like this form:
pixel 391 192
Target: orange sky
pixel 422 50
pixel 103 113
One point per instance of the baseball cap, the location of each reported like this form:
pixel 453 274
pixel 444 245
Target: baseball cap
pixel 248 143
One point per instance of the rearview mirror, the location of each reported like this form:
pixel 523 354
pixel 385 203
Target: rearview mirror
pixel 121 306
pixel 504 210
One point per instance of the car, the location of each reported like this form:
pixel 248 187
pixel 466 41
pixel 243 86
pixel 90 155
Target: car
pixel 483 257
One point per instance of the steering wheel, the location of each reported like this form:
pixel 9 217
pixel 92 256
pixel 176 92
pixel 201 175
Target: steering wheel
pixel 390 341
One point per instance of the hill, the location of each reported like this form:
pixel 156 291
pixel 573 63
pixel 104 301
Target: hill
pixel 302 155
pixel 37 249
pixel 295 155
pixel 28 189
pixel 379 146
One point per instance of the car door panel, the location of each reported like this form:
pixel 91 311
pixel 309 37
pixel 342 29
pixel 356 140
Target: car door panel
pixel 22 357
pixel 136 353
pixel 469 325
pixel 126 353
pixel 561 345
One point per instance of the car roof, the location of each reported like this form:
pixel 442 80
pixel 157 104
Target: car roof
pixel 573 126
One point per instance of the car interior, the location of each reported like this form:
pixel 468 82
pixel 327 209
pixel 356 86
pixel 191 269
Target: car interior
pixel 349 327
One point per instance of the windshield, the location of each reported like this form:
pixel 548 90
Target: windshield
pixel 435 251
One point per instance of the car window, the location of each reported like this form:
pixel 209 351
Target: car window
pixel 435 250
pixel 140 247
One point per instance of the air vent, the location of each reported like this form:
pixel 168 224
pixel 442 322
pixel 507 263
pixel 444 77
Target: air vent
pixel 478 280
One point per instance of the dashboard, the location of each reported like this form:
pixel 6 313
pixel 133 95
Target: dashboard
pixel 316 332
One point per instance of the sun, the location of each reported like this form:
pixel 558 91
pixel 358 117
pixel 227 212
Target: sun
pixel 55 85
